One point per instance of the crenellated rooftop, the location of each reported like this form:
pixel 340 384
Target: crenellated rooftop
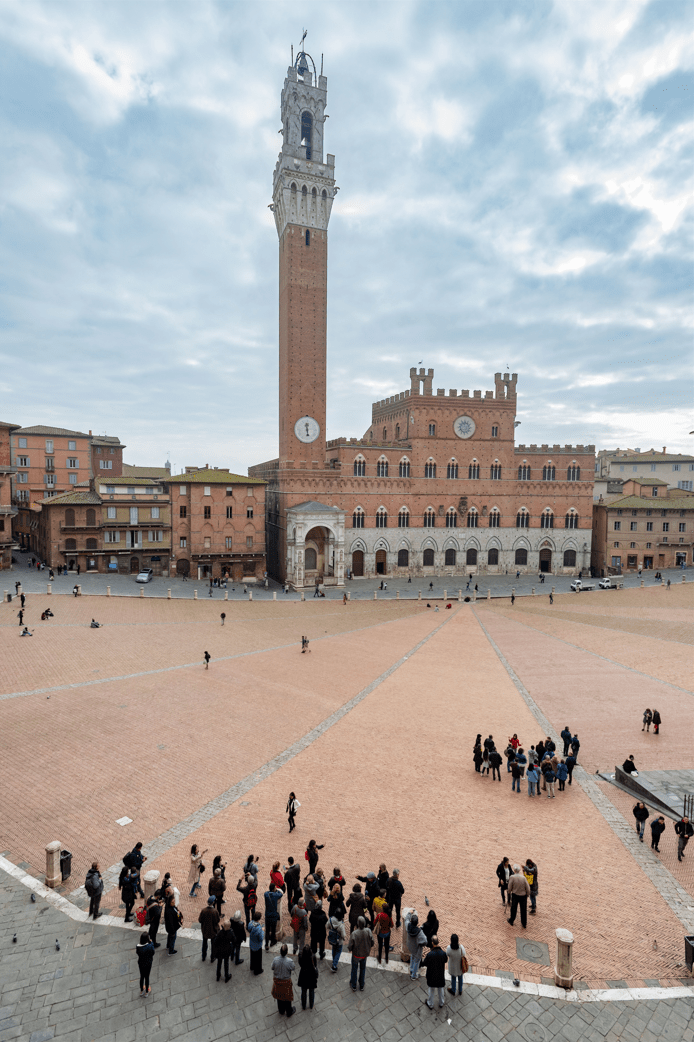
pixel 572 449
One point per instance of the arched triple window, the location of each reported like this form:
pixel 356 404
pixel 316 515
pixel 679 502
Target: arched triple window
pixel 524 472
pixel 548 472
pixel 359 467
pixel 493 556
pixel 494 518
pixel 382 468
pixel 451 518
pixel 522 518
pixel 430 469
pixel 571 519
pixel 521 556
pixel 473 470
pixel 574 472
pixel 428 558
pixel 429 518
pixel 569 558
pixel 449 559
pixel 403 558
pixel 432 430
pixel 403 518
pixel 452 470
pixel 381 518
pixel 404 467
pixel 495 471
pixel 358 518
pixel 472 518
pixel 495 432
pixel 547 518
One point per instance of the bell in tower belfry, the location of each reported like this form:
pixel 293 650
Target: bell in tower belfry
pixel 302 196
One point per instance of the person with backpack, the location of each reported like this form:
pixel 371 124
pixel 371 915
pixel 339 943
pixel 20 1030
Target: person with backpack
pixel 336 939
pixel 145 954
pixel 249 894
pixel 153 918
pixel 457 964
pixel 209 921
pixel 222 947
pixel 299 925
pixel 530 873
pixel 172 921
pixel 292 807
pixel 312 854
pixel 129 893
pixel 94 885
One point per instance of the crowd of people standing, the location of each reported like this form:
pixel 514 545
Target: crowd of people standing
pixel 541 766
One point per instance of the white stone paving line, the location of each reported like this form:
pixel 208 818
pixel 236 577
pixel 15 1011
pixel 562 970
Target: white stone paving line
pixel 156 847
pixel 675 896
pixel 62 904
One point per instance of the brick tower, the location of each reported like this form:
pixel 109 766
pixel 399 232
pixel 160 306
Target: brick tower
pixel 303 191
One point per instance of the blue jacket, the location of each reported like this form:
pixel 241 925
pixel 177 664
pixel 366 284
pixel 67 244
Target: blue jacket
pixel 562 771
pixel 272 900
pixel 255 936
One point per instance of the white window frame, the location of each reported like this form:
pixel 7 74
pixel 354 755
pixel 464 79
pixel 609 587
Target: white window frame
pixel 155 513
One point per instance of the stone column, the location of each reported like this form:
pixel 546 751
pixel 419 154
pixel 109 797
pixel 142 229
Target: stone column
pixel 108 591
pixel 397 595
pixel 168 595
pixel 49 588
pixel 375 595
pixel 53 876
pixel 405 953
pixel 274 595
pixel 489 595
pixel 142 591
pixel 195 595
pixel 563 970
pixel 151 882
pixel 445 595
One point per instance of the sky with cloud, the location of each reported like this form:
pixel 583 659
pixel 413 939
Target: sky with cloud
pixel 515 191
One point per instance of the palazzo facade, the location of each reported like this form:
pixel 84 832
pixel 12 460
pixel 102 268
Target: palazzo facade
pixel 437 484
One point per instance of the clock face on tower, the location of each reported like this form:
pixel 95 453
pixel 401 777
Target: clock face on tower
pixel 464 426
pixel 307 429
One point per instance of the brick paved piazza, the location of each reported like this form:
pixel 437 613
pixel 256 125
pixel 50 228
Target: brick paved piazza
pixel 374 731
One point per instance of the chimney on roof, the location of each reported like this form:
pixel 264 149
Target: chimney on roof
pixel 90 432
pixel 664 449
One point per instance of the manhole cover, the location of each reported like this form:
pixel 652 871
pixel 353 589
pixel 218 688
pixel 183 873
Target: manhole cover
pixel 532 951
pixel 534 1032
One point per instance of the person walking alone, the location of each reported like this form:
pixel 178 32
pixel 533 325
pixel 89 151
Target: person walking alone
pixel 641 814
pixel 145 955
pixel 519 892
pixel 207 658
pixel 94 885
pixel 292 807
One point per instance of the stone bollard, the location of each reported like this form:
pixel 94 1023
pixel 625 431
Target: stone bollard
pixel 303 597
pixel 513 591
pixel 168 595
pixel 643 582
pixel 274 595
pixel 405 953
pixel 53 875
pixel 151 879
pixel 226 595
pixel 532 592
pixel 445 595
pixel 553 591
pixel 684 579
pixel 474 596
pixel 563 970
pixel 397 595
pixel 460 595
pixel 142 591
pixel 79 589
pixel 419 596
pixel 195 595
pixel 349 596
pixel 49 588
pixel 250 595
pixel 489 595
pixel 108 591
pixel 375 595
pixel 7 596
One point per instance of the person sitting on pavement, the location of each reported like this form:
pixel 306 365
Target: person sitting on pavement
pixel 95 625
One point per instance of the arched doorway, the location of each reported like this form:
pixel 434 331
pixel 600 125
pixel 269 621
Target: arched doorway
pixel 357 562
pixel 381 562
pixel 317 553
pixel 134 565
pixel 183 567
pixel 545 560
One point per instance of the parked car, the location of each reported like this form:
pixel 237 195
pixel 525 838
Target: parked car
pixel 144 576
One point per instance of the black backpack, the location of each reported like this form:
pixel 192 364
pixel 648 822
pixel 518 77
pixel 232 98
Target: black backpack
pixel 129 861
